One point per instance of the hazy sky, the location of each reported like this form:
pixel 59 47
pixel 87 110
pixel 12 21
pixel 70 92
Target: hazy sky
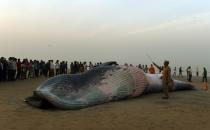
pixel 103 30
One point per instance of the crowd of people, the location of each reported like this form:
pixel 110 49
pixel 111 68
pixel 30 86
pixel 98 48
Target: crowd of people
pixel 152 70
pixel 12 69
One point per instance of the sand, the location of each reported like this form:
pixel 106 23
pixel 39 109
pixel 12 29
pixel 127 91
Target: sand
pixel 184 110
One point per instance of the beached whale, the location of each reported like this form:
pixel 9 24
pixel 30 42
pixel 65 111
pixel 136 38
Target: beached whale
pixel 105 83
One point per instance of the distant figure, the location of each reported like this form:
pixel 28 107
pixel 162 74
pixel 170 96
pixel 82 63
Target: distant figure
pixel 90 65
pixel 5 69
pixel 47 68
pixel 197 71
pixel 174 74
pixel 205 81
pixel 31 69
pixel 18 69
pixel 52 67
pixel 152 69
pixel 9 68
pixel 189 73
pixel 66 67
pixel 180 72
pixel 57 67
pixel 166 78
pixel 23 69
pixel 36 68
pixel 1 70
pixel 12 68
pixel 85 66
pixel 140 67
pixel 81 67
pixel 146 69
pixel 187 70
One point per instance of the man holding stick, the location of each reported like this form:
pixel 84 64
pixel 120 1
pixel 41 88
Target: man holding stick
pixel 166 78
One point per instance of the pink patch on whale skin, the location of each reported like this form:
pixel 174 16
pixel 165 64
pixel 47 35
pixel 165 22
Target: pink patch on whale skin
pixel 106 88
pixel 140 82
pixel 139 79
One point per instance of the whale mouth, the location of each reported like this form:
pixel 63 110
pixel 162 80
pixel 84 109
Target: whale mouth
pixel 38 102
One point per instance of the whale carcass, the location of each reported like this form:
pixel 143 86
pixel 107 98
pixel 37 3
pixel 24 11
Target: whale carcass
pixel 105 83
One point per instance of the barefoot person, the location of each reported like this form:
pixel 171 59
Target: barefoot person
pixel 166 78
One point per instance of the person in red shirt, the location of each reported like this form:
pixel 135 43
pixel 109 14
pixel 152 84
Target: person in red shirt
pixel 152 69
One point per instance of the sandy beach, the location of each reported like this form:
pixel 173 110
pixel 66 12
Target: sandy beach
pixel 184 110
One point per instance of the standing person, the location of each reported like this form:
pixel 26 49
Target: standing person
pixel 27 68
pixel 205 81
pixel 66 67
pixel 71 68
pixel 48 68
pixel 152 69
pixel 41 67
pixel 189 74
pixel 142 67
pixel 90 65
pixel 85 66
pixel 5 69
pixel 45 69
pixel 10 69
pixel 61 67
pixel 166 78
pixel 139 66
pixel 31 69
pixel 187 70
pixel 81 67
pixel 57 67
pixel 18 69
pixel 197 71
pixel 23 70
pixel 174 74
pixel 180 72
pixel 14 69
pixel 52 67
pixel 1 70
pixel 146 69
pixel 36 68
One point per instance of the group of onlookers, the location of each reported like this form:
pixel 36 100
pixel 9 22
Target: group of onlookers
pixel 15 69
pixel 144 68
pixel 152 70
pixel 190 73
pixel 12 69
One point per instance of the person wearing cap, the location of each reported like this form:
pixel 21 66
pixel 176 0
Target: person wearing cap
pixel 166 78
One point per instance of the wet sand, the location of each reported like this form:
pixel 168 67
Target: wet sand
pixel 184 110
